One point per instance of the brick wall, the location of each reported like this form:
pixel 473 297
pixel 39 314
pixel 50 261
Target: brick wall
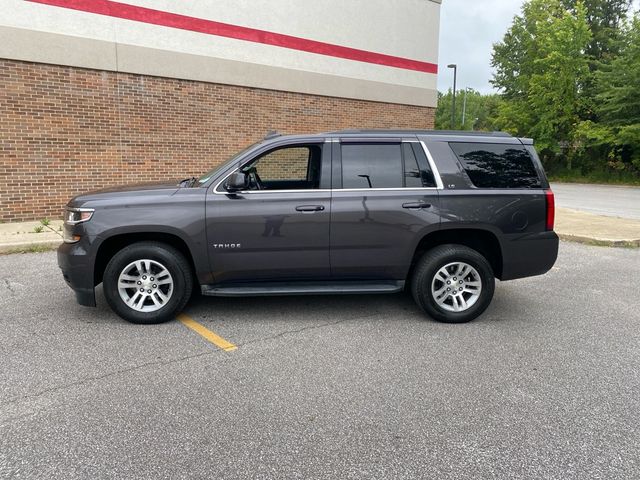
pixel 66 130
pixel 285 164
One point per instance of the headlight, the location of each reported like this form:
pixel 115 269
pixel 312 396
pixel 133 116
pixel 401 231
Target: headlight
pixel 73 216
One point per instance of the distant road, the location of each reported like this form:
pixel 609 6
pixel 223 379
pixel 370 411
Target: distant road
pixel 611 201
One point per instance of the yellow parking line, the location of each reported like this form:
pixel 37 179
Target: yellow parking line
pixel 217 340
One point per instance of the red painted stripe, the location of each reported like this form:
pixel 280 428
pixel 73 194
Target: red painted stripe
pixel 210 27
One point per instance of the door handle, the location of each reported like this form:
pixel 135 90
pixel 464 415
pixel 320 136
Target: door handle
pixel 310 208
pixel 416 205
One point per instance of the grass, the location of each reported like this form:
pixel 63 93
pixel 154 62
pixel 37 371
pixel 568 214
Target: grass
pixel 36 248
pixel 603 178
pixel 46 223
pixel 600 243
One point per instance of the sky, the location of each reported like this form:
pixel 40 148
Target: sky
pixel 468 30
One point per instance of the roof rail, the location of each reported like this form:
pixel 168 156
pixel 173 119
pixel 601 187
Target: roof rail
pixel 420 132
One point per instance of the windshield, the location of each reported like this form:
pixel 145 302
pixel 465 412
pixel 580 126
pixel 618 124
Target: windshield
pixel 207 176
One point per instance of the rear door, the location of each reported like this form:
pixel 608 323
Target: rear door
pixel 385 198
pixel 278 228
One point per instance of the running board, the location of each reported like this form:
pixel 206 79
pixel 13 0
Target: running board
pixel 301 288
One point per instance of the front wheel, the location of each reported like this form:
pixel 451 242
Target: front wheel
pixel 147 282
pixel 453 283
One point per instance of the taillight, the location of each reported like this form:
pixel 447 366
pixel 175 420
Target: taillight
pixel 551 209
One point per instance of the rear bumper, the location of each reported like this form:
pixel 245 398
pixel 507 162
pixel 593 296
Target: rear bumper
pixel 77 271
pixel 528 255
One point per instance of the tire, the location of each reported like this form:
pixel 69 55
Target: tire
pixel 444 264
pixel 162 298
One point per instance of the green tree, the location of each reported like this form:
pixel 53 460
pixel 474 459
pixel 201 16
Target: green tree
pixel 478 115
pixel 443 112
pixel 605 18
pixel 541 68
pixel 616 137
pixel 486 113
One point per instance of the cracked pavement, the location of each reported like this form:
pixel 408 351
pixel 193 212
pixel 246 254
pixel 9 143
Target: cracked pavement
pixel 545 385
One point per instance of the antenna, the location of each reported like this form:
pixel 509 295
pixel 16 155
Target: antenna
pixel 271 134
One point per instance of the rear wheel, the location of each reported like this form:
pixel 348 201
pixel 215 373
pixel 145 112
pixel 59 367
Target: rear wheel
pixel 453 283
pixel 147 282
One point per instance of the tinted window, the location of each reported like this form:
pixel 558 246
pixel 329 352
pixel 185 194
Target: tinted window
pixel 412 174
pixel 497 166
pixel 427 178
pixel 371 166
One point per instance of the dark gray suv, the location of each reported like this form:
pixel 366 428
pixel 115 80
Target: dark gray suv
pixel 440 213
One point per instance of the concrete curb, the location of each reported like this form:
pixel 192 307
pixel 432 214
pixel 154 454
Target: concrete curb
pixel 591 229
pixel 29 247
pixel 32 236
pixel 600 242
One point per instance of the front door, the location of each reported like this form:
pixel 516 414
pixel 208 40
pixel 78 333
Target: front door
pixel 277 229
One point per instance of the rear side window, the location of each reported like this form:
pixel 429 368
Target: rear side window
pixel 497 165
pixel 412 173
pixel 428 180
pixel 372 166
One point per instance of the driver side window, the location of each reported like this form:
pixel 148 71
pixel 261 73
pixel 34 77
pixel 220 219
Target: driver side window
pixel 287 168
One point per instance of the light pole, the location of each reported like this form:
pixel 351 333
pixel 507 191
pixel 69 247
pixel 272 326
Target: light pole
pixel 453 106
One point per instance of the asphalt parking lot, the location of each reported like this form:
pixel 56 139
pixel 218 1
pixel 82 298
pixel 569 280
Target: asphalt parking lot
pixel 545 385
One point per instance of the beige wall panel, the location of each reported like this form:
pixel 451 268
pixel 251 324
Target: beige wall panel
pixel 407 29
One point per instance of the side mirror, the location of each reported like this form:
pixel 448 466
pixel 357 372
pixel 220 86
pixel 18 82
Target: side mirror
pixel 237 181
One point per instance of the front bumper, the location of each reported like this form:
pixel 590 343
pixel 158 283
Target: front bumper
pixel 77 269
